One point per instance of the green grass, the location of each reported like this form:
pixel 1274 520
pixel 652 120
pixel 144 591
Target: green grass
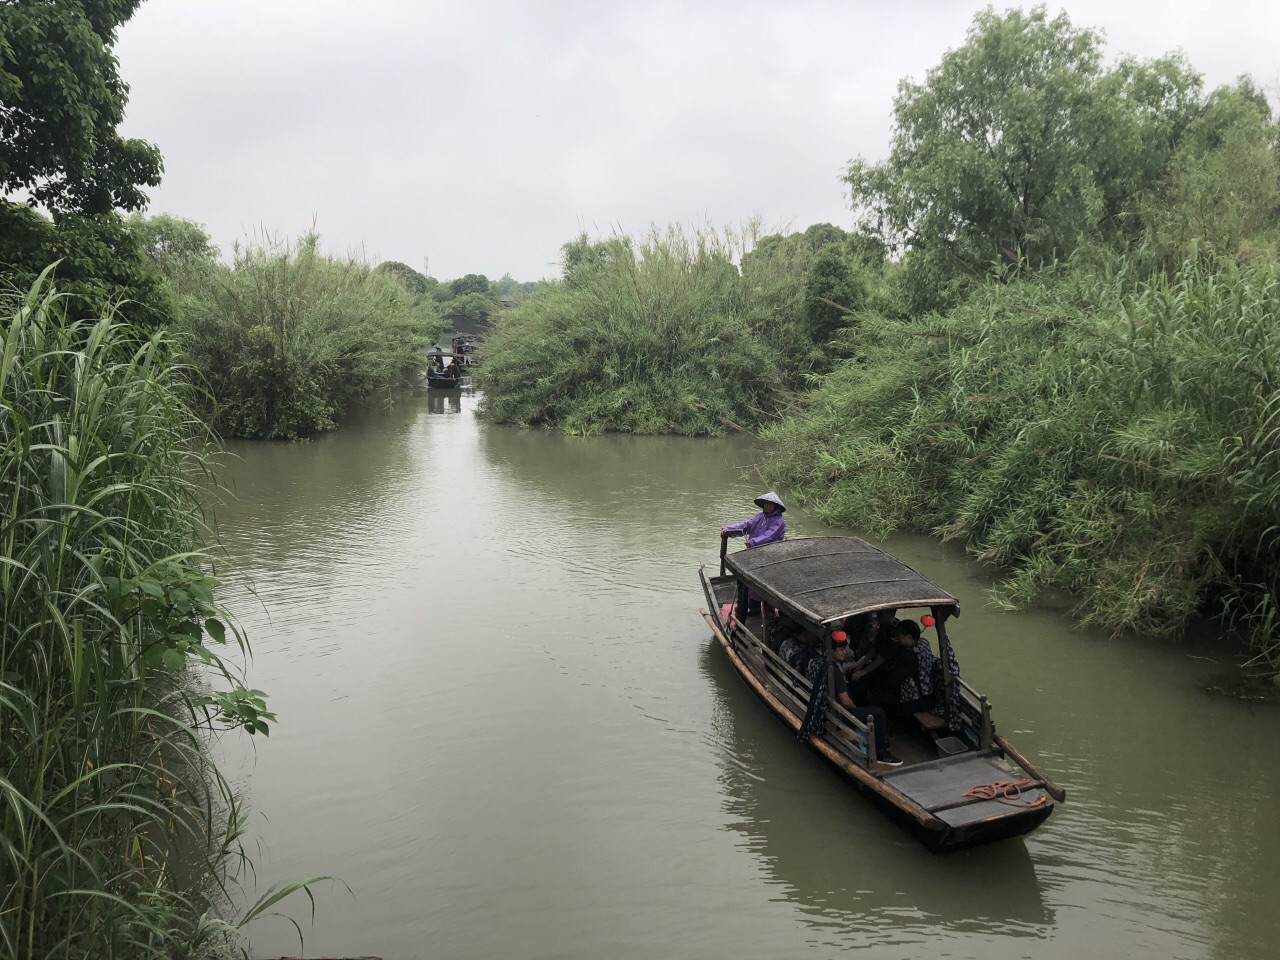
pixel 118 837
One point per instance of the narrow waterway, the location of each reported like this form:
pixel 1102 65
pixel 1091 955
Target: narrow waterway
pixel 504 727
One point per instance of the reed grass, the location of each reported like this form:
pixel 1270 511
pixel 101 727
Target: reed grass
pixel 288 338
pixel 1118 439
pixel 658 335
pixel 118 837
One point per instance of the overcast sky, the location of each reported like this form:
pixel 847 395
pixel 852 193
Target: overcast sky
pixel 483 135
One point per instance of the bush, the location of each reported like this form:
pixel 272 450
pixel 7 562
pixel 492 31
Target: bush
pixel 662 338
pixel 1083 431
pixel 289 338
pixel 99 260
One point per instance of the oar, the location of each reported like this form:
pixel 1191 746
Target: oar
pixel 724 549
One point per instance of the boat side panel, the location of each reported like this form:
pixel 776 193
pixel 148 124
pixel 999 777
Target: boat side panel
pixel 928 828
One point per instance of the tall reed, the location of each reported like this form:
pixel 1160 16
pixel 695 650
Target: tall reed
pixel 657 336
pixel 1118 439
pixel 116 831
pixel 288 337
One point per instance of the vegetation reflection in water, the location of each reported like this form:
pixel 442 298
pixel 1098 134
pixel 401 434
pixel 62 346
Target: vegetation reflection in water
pixel 567 764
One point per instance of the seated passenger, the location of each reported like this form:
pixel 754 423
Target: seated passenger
pixel 797 650
pixel 912 671
pixel 781 629
pixel 870 634
pixel 876 647
pixel 873 715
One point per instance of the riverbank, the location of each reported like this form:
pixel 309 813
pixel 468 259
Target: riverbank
pixel 121 833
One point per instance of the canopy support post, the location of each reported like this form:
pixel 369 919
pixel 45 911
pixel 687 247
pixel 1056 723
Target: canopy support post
pixel 940 615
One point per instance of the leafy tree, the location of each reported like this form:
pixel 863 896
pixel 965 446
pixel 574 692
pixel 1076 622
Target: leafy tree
pixel 835 289
pixel 101 261
pixel 61 99
pixel 470 283
pixel 472 306
pixel 1223 184
pixel 169 239
pixel 1018 148
pixel 416 283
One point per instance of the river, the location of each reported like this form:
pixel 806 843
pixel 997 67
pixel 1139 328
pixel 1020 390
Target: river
pixel 504 727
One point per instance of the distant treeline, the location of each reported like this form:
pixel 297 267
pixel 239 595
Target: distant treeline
pixel 1051 332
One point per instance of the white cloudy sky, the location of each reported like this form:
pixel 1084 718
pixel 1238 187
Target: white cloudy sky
pixel 483 134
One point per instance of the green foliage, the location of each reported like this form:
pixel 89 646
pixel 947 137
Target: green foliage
pixel 287 337
pixel 508 288
pixel 1019 148
pixel 416 283
pixel 1115 439
pixel 660 340
pixel 476 283
pixel 1222 190
pixel 107 793
pixel 61 99
pixel 835 290
pixel 99 260
pixel 583 257
pixel 470 306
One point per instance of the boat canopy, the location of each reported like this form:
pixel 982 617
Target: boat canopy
pixel 823 580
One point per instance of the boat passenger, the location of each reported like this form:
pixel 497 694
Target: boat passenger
pixel 914 672
pixel 781 629
pixel 767 526
pixel 875 641
pixel 873 715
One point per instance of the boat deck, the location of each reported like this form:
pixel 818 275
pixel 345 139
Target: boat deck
pixel 941 788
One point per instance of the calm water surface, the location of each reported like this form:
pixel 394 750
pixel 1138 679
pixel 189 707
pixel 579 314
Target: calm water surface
pixel 503 725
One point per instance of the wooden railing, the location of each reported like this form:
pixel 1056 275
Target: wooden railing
pixel 845 732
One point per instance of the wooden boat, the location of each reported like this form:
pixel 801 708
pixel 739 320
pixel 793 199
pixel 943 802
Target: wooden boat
pixel 444 370
pixel 958 785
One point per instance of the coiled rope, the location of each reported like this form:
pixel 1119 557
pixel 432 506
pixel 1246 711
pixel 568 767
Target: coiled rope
pixel 1007 792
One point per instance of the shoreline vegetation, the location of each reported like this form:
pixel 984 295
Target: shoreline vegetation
pixel 120 835
pixel 1051 334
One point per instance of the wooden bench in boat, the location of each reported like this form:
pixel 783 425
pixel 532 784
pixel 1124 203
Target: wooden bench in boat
pixel 933 724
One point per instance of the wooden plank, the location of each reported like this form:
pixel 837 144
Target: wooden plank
pixel 1054 790
pixel 940 784
pixel 930 721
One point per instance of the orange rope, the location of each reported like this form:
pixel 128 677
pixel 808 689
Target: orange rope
pixel 1007 792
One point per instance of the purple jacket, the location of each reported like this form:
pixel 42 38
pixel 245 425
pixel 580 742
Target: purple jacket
pixel 760 529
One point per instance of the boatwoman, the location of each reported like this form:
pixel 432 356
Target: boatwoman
pixel 767 526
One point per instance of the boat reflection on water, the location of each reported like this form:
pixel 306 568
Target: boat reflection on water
pixel 849 870
pixel 440 401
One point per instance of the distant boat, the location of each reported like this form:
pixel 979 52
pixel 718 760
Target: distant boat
pixel 956 785
pixel 444 370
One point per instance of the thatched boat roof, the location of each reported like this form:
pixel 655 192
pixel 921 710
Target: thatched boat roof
pixel 825 579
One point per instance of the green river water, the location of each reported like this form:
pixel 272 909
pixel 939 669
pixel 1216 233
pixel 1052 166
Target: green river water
pixel 503 725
